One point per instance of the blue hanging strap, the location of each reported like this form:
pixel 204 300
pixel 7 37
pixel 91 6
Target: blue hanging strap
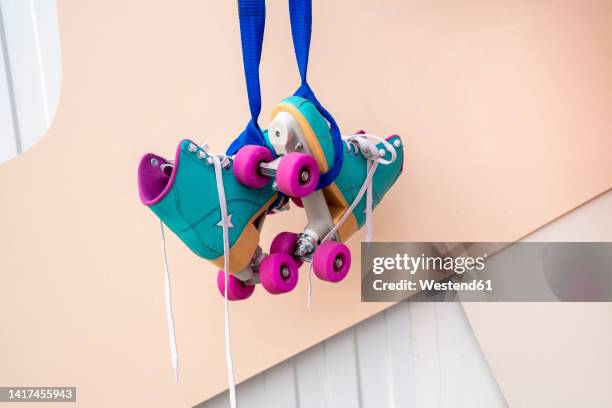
pixel 252 14
pixel 300 13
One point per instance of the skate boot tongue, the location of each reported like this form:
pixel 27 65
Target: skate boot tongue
pixel 361 143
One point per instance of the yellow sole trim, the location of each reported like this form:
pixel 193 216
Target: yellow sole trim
pixel 311 137
pixel 337 205
pixel 244 248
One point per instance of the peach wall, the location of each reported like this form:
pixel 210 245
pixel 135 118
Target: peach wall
pixel 504 107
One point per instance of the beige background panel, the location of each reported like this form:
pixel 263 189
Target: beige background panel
pixel 552 354
pixel 547 354
pixel 504 108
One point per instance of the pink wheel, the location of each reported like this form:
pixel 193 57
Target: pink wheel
pixel 278 273
pixel 286 243
pixel 246 165
pixel 297 174
pixel 331 261
pixel 236 290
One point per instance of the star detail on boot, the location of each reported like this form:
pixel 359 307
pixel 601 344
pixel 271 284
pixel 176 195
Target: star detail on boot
pixel 229 222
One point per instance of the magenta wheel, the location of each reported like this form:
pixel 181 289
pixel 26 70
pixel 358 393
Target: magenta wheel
pixel 246 165
pixel 331 261
pixel 236 290
pixel 278 273
pixel 286 243
pixel 297 174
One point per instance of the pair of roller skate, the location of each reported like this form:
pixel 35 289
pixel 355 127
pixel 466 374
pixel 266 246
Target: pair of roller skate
pixel 260 180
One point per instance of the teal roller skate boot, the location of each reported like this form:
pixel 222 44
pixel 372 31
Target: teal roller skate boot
pixel 336 212
pixel 183 193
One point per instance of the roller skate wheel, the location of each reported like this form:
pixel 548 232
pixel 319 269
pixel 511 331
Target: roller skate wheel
pixel 331 261
pixel 278 273
pixel 246 165
pixel 297 174
pixel 286 243
pixel 236 289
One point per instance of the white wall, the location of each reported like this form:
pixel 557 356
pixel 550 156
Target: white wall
pixel 411 355
pixel 30 72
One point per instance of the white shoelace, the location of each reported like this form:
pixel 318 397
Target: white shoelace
pixel 360 143
pixel 219 162
pixel 169 315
